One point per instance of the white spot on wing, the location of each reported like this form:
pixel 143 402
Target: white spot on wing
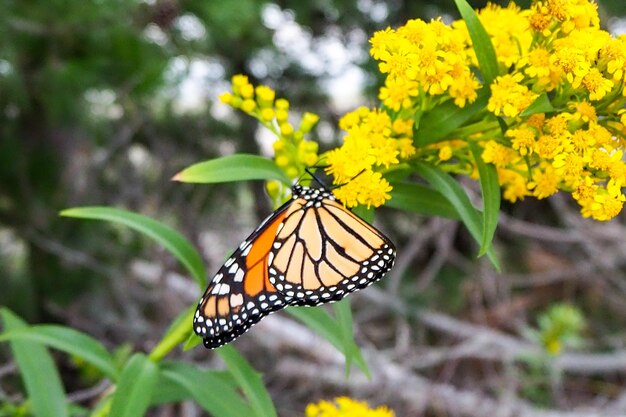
pixel 236 300
pixel 239 275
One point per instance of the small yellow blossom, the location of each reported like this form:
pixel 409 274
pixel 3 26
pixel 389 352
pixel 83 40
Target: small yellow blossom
pixel 515 185
pixel 583 110
pixel 596 84
pixel 445 153
pixel 545 182
pixel 497 154
pixel 508 96
pixel 346 407
pixel 523 140
pixel 547 147
pixel 603 206
pixel 398 93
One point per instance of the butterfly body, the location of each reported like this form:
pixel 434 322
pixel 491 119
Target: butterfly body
pixel 310 251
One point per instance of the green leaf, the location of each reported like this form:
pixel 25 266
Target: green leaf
pixel 455 194
pixel 216 394
pixel 442 120
pixel 541 104
pixel 69 341
pixel 343 313
pixel 490 188
pixel 250 382
pixel 192 341
pixel 486 55
pixel 364 213
pixel 39 373
pixel 178 332
pixel 239 167
pixel 326 326
pixel 419 199
pixel 173 241
pixel 134 388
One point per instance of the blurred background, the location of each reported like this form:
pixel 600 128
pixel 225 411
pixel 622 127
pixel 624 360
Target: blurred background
pixel 103 101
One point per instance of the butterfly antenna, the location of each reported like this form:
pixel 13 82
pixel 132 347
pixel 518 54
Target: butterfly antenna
pixel 351 179
pixel 319 181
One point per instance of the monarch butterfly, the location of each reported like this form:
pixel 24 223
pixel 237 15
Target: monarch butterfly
pixel 311 250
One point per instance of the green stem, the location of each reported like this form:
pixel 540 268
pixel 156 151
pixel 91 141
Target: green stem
pixel 482 126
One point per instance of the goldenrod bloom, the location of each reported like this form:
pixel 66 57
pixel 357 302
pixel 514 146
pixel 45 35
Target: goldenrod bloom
pixel 346 407
pixel 552 58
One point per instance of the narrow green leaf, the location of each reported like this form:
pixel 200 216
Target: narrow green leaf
pixel 450 189
pixel 490 188
pixel 541 104
pixel 442 120
pixel 172 240
pixel 419 199
pixel 179 332
pixel 326 326
pixel 486 55
pixel 192 341
pixel 69 341
pixel 249 380
pixel 343 313
pixel 102 408
pixel 39 373
pixel 134 388
pixel 239 167
pixel 216 394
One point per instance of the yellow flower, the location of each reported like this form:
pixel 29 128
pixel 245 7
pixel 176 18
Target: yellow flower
pixel 497 154
pixel 346 407
pixel 613 53
pixel 557 126
pixel 406 148
pixel 583 110
pixel 596 84
pixel 539 19
pixel 538 62
pixel 570 167
pixel 514 184
pixel 547 147
pixel 464 86
pixel 508 96
pixel 403 127
pixel 445 153
pixel 545 182
pixel 603 206
pixel 523 140
pixel 509 30
pixel 398 93
pixel 380 42
pixel 265 95
pixel 571 61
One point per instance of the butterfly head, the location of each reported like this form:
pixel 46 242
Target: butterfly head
pixel 310 194
pixel 297 190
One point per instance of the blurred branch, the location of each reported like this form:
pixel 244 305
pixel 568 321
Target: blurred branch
pixel 391 379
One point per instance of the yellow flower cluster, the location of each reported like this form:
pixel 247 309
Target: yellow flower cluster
pixel 559 48
pixel 555 49
pixel 293 153
pixel 420 59
pixel 372 145
pixel 554 120
pixel 345 407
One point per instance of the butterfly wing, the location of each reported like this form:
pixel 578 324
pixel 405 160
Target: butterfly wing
pixel 322 251
pixel 240 294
